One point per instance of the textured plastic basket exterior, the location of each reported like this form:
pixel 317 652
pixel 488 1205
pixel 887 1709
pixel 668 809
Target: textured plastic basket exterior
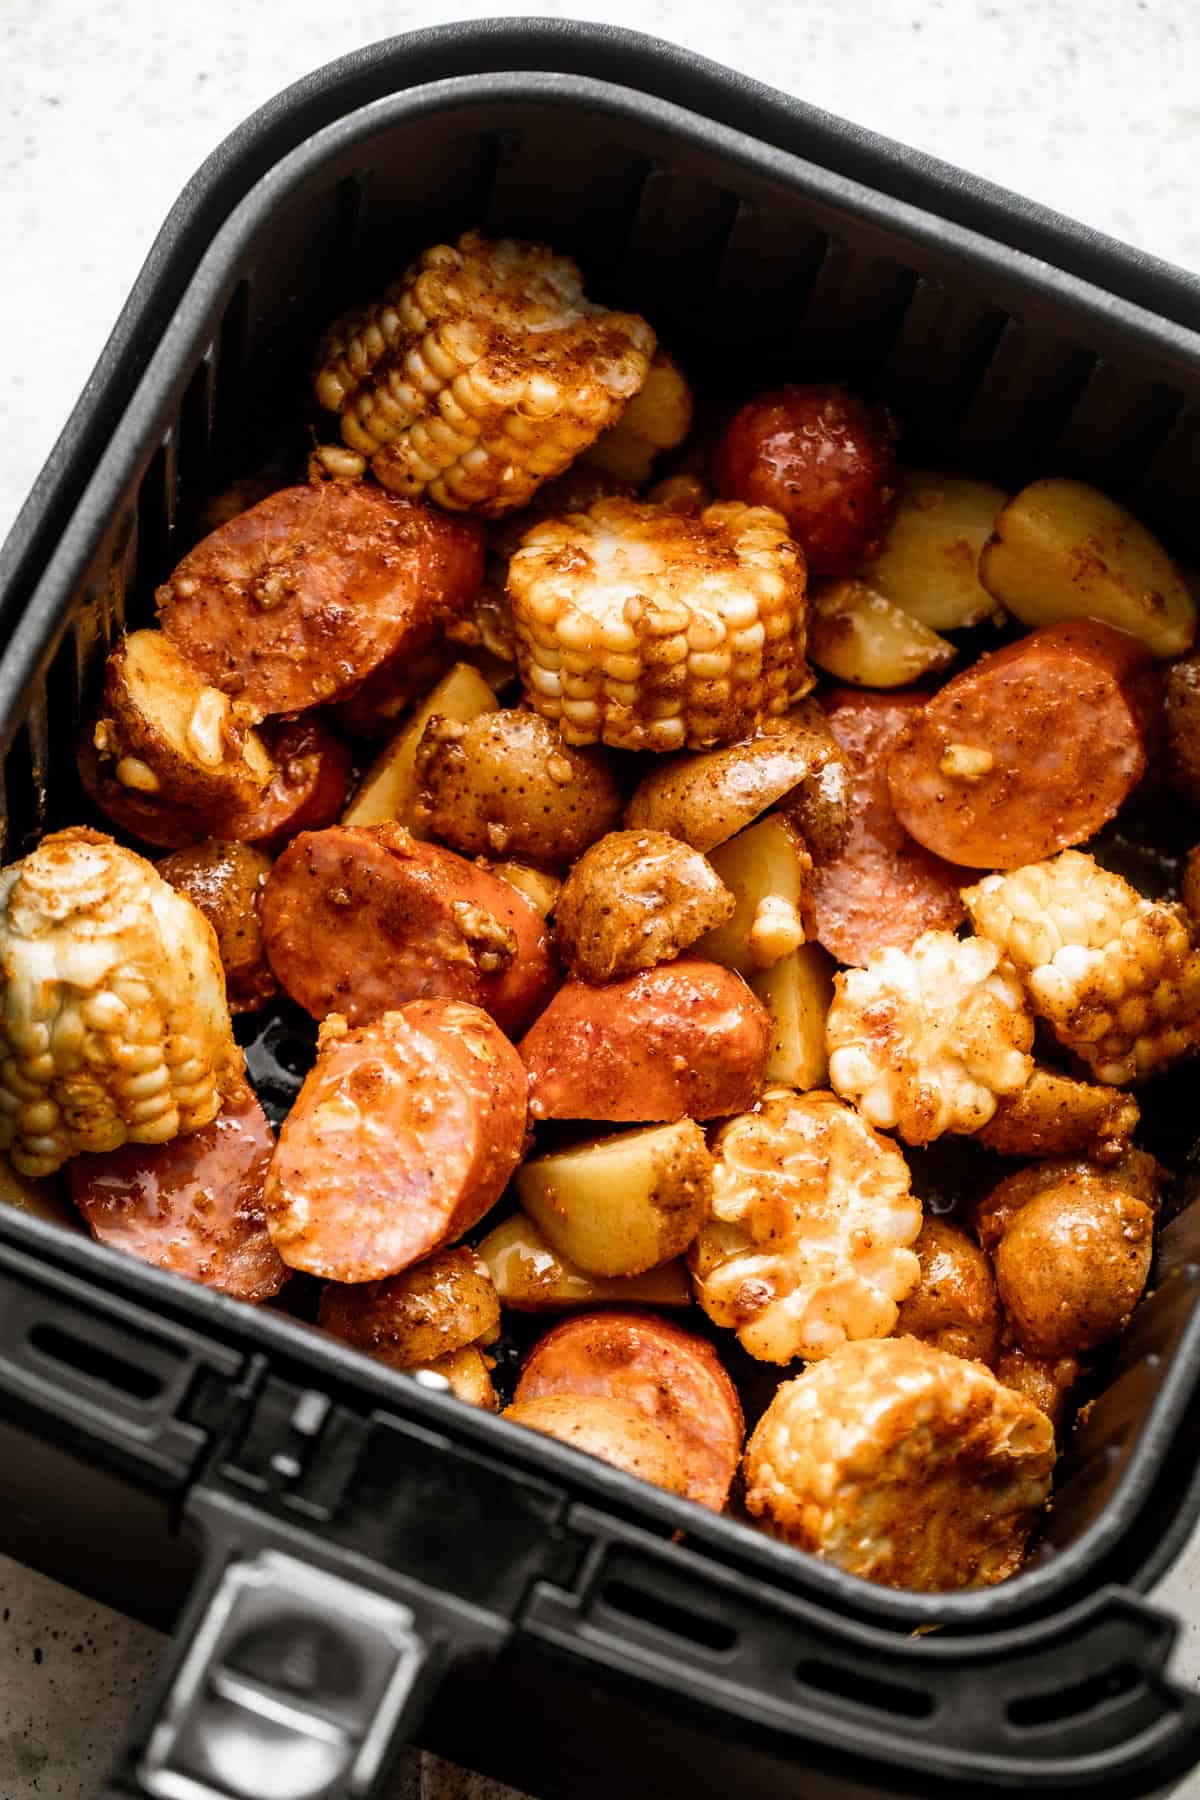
pixel 764 241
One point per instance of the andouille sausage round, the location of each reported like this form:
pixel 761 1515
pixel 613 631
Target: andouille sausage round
pixel 403 1135
pixel 360 919
pixel 193 1206
pixel 673 1376
pixel 300 599
pixel 1031 750
pixel 686 1039
pixel 881 888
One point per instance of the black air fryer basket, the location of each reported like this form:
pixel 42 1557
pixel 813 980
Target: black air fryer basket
pixel 346 1555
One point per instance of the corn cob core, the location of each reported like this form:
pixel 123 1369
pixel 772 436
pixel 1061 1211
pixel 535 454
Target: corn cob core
pixel 480 373
pixel 1115 975
pixel 649 629
pixel 115 1027
pixel 926 1040
pixel 812 1222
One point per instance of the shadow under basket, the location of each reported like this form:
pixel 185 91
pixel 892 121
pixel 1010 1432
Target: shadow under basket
pixel 345 1555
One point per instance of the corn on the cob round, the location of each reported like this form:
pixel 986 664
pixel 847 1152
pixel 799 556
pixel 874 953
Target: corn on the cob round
pixel 115 1027
pixel 649 629
pixel 1115 975
pixel 480 373
pixel 926 1040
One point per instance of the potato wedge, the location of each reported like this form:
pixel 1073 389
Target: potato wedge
pixel 797 992
pixel 657 418
pixel 623 1204
pixel 634 899
pixel 929 565
pixel 470 1376
pixel 410 1320
pixel 859 635
pixel 1064 550
pixel 389 787
pixel 161 732
pixel 704 797
pixel 540 889
pixel 769 872
pixel 530 1277
pixel 45 1199
pixel 505 784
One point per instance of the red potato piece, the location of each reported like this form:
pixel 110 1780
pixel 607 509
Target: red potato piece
pixel 307 790
pixel 882 888
pixel 1031 750
pixel 404 1134
pixel 308 594
pixel 822 457
pixel 671 1375
pixel 360 919
pixel 686 1039
pixel 193 1206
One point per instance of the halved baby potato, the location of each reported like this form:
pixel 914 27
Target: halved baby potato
pixel 657 418
pixel 412 1319
pixel 857 634
pixel 469 1373
pixel 768 871
pixel 1064 550
pixel 929 565
pixel 532 1277
pixel 623 1204
pixel 163 734
pixel 634 899
pixel 540 889
pixel 797 992
pixel 389 787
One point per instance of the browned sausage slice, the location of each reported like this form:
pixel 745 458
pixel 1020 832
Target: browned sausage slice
pixel 193 1205
pixel 687 1039
pixel 672 1375
pixel 300 599
pixel 360 919
pixel 1030 751
pixel 882 888
pixel 404 1134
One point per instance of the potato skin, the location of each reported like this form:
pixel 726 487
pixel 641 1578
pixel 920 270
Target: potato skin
pixel 1055 1115
pixel 614 1430
pixel 634 899
pixel 705 796
pixel 955 1306
pixel 469 1373
pixel 1072 1265
pixel 530 1277
pixel 224 879
pixel 825 459
pixel 1182 709
pixel 411 1320
pixel 1045 1380
pixel 504 784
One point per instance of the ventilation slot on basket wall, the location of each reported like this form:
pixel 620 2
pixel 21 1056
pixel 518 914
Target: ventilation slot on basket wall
pixel 862 1689
pixel 697 1628
pixel 1029 1711
pixel 95 1362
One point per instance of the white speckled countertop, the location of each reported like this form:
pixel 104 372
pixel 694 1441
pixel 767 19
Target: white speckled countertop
pixel 1092 106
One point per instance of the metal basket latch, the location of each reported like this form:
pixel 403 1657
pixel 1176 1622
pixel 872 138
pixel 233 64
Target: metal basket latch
pixel 292 1688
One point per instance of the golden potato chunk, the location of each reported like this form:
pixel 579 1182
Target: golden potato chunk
pixel 797 992
pixel 794 762
pixel 929 565
pixel 45 1199
pixel 809 1239
pixel 224 880
pixel 634 899
pixel 954 1306
pixel 1064 550
pixel 768 871
pixel 902 1464
pixel 469 1373
pixel 1055 1115
pixel 388 790
pixel 657 418
pixel 1046 1380
pixel 858 635
pixel 505 784
pixel 623 1204
pixel 531 1277
pixel 539 888
pixel 410 1320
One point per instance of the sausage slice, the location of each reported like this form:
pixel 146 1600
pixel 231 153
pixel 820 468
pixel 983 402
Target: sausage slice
pixel 301 598
pixel 404 1134
pixel 360 919
pixel 1030 751
pixel 672 1375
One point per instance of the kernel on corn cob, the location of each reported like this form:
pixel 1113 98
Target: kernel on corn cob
pixel 648 629
pixel 1115 976
pixel 926 1040
pixel 115 1027
pixel 480 373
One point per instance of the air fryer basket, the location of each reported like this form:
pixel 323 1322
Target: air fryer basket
pixel 446 1560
